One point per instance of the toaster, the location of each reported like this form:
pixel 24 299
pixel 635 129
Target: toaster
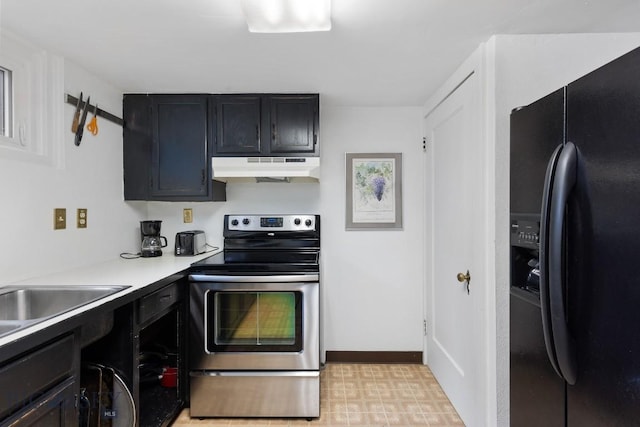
pixel 191 242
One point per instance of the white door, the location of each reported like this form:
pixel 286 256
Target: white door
pixel 454 229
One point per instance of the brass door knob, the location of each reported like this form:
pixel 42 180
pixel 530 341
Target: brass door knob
pixel 464 278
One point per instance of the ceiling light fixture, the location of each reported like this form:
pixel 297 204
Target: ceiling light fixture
pixel 287 16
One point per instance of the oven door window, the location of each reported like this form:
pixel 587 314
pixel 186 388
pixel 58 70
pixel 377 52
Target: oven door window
pixel 254 321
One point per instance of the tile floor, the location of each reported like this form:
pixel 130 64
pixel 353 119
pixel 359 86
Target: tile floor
pixel 364 395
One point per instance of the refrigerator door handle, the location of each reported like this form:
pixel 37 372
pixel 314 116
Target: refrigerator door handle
pixel 565 180
pixel 544 260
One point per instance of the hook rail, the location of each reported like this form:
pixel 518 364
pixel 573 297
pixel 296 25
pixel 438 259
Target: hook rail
pixel 104 114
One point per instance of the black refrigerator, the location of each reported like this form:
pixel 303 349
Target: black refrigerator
pixel 575 252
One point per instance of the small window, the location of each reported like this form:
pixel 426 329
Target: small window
pixel 31 113
pixel 5 102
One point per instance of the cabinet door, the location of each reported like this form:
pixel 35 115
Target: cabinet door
pixel 238 125
pixel 294 124
pixel 55 408
pixel 136 146
pixel 180 151
pixel 35 372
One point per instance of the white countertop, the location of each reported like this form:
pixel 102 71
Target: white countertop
pixel 135 273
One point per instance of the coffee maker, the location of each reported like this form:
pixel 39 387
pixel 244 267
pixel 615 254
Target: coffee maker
pixel 151 240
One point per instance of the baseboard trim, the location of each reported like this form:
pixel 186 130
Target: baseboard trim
pixel 374 357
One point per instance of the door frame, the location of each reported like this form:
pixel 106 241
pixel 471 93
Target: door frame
pixel 484 106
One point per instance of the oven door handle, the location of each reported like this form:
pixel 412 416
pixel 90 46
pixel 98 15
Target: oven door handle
pixel 289 278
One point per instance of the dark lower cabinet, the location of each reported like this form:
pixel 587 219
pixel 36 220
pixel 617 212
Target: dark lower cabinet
pixel 57 407
pixel 39 387
pixel 161 369
pixel 143 348
pixel 108 368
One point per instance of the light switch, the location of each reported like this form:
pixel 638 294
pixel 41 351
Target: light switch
pixel 59 218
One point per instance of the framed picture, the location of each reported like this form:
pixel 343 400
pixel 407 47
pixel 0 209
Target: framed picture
pixel 374 191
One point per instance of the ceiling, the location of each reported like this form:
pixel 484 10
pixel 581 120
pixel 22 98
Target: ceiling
pixel 378 53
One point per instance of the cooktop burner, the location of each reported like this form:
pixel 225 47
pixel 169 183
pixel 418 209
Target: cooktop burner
pixel 216 264
pixel 265 244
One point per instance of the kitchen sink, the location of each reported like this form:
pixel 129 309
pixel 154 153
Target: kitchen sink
pixel 6 327
pixel 24 306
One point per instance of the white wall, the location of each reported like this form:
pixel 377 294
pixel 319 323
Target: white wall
pixel 526 68
pixel 372 280
pixel 242 198
pixel 90 177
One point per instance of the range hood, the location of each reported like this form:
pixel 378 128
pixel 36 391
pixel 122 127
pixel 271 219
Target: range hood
pixel 279 168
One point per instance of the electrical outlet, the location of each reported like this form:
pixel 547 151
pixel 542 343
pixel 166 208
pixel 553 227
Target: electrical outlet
pixel 187 215
pixel 59 218
pixel 82 218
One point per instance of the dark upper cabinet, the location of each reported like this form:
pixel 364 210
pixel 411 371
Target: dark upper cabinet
pixel 179 152
pixel 294 124
pixel 266 125
pixel 238 126
pixel 136 147
pixel 167 149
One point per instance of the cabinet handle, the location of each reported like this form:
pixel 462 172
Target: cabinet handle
pixel 202 174
pixel 273 131
pixel 257 133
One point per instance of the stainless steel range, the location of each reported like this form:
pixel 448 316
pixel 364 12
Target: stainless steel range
pixel 255 320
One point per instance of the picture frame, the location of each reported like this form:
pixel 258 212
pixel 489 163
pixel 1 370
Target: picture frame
pixel 373 191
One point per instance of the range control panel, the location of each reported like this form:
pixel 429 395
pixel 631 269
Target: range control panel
pixel 271 222
pixel 525 233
